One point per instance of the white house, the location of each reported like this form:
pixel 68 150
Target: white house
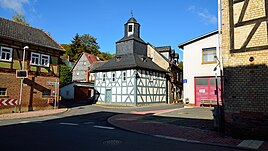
pixel 131 77
pixel 82 85
pixel 199 82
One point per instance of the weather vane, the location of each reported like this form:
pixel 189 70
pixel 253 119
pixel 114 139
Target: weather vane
pixel 131 13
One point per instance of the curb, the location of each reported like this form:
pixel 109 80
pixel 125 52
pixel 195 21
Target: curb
pixel 30 116
pixel 109 120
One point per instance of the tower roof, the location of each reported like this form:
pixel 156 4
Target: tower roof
pixel 132 20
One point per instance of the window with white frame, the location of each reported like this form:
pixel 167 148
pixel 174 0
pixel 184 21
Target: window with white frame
pixel 113 76
pixel 3 91
pixel 35 58
pixel 44 60
pixel 124 77
pixel 208 55
pixel 6 54
pixel 40 59
pixel 103 77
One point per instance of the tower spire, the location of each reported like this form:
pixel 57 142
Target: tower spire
pixel 131 13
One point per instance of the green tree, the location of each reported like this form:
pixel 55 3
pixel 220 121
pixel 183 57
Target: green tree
pixel 75 48
pixel 65 75
pixel 20 19
pixel 89 44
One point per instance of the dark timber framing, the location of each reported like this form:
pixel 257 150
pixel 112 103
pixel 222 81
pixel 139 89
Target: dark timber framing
pixel 240 23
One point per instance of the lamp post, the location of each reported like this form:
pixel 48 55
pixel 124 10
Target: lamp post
pixel 21 80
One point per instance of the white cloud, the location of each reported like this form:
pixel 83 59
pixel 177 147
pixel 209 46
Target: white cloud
pixel 15 5
pixel 204 14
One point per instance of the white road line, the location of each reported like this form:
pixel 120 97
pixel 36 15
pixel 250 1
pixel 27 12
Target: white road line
pixel 104 127
pixel 73 124
pixel 172 138
pixel 177 139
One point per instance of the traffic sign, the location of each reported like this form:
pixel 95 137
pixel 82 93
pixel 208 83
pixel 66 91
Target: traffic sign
pixel 21 73
pixel 52 83
pixel 7 102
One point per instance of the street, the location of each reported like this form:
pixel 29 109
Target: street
pixel 84 128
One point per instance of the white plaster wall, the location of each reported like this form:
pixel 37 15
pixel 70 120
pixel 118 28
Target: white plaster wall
pixel 63 91
pixel 122 91
pixel 193 67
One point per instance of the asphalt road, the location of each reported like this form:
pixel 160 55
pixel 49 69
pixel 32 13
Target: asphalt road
pixel 84 128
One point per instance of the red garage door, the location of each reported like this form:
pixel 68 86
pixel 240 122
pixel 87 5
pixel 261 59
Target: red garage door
pixel 205 89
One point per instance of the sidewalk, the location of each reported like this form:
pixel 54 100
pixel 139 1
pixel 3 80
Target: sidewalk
pixel 32 114
pixel 177 125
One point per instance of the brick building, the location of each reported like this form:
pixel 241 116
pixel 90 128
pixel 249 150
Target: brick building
pixel 245 60
pixel 41 61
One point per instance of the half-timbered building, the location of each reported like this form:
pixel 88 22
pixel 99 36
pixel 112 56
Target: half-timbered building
pixel 245 67
pixel 131 77
pixel 41 61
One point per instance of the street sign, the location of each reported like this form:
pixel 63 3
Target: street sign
pixel 21 73
pixel 184 81
pixel 8 102
pixel 52 83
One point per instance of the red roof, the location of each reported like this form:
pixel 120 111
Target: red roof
pixel 91 58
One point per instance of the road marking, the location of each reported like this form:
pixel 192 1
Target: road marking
pixel 73 124
pixel 177 139
pixel 104 127
pixel 172 138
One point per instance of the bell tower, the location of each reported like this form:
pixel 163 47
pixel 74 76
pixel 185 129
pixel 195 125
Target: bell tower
pixel 131 42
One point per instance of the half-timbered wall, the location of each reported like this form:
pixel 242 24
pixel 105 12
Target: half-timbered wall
pixel 121 91
pixel 151 87
pixel 140 87
pixel 245 63
pixel 36 91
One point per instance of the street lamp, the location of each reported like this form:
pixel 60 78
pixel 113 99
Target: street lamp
pixel 21 80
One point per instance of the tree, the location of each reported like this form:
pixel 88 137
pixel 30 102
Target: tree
pixel 89 44
pixel 20 19
pixel 65 75
pixel 75 48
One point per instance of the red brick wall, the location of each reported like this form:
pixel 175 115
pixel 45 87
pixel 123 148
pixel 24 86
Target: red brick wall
pixel 33 89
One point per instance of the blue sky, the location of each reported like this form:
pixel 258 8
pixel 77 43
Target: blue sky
pixel 163 22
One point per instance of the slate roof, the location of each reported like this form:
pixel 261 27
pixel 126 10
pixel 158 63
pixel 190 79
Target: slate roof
pixel 96 65
pixel 130 38
pixel 132 20
pixel 163 49
pixel 129 61
pixel 26 34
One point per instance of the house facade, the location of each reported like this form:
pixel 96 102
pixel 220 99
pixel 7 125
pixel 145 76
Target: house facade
pixel 167 59
pixel 82 85
pixel 198 69
pixel 245 51
pixel 41 61
pixel 131 77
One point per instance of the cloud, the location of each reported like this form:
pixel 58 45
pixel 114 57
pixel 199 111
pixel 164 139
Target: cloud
pixel 15 5
pixel 204 14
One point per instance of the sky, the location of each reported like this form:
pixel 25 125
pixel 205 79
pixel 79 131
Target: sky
pixel 163 22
